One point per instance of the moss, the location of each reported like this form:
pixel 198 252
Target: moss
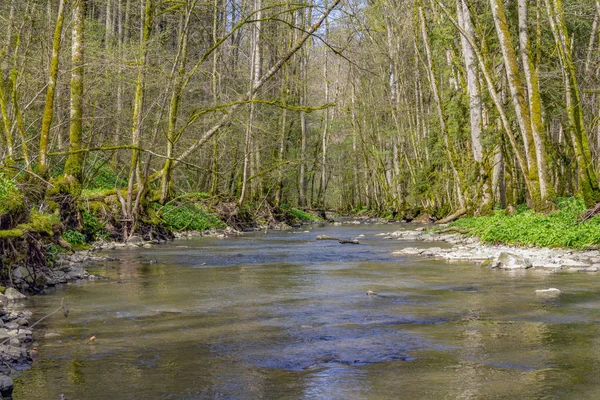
pixel 97 194
pixel 42 223
pixel 96 207
pixel 53 206
pixel 2 289
pixel 11 233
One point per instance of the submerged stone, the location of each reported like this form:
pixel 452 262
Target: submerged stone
pixel 552 292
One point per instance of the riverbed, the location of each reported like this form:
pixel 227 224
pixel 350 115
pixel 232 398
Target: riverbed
pixel 279 315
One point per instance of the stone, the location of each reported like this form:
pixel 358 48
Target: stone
pixel 3 334
pixel 552 292
pixel 511 261
pixel 13 294
pixel 411 251
pixel 135 240
pixel 22 321
pixel 147 246
pixel 6 387
pixel 326 237
pixel 11 325
pixel 76 273
pixel 14 342
pixel 571 263
pixel 593 268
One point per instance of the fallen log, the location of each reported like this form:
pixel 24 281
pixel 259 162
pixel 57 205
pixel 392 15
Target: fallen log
pixel 452 217
pixel 348 241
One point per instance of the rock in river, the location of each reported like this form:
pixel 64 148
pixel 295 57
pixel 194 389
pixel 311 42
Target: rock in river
pixel 552 292
pixel 325 237
pixel 6 387
pixel 511 261
pixel 14 294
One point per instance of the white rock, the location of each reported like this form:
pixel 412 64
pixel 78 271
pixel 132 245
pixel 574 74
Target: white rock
pixel 552 292
pixel 14 294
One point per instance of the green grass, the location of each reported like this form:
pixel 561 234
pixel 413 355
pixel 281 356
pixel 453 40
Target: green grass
pixel 558 229
pixel 188 217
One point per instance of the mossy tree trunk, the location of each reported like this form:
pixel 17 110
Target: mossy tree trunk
pixel 52 78
pixel 439 108
pixel 172 133
pixel 535 104
pixel 587 181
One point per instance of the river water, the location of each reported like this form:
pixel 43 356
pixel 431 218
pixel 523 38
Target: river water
pixel 281 316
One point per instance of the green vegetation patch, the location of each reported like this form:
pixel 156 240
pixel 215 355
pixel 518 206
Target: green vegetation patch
pixel 74 238
pixel 93 229
pixel 12 203
pixel 187 217
pixel 562 228
pixel 303 215
pixel 42 222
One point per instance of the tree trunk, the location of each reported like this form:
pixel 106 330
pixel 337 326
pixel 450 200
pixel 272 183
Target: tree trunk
pixel 52 77
pixel 439 108
pixel 535 104
pixel 74 163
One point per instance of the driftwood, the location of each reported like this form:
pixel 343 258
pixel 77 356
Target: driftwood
pixel 452 217
pixel 455 229
pixel 590 213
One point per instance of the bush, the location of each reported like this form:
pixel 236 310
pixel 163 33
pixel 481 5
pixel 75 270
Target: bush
pixel 74 238
pixel 187 216
pixel 558 229
pixel 93 229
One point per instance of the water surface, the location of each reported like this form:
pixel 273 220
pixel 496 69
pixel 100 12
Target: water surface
pixel 281 316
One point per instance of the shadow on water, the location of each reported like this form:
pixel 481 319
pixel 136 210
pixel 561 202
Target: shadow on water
pixel 282 316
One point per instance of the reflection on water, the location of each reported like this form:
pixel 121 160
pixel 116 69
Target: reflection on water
pixel 280 316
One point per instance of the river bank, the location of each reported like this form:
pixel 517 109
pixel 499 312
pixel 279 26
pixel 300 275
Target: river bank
pixel 502 256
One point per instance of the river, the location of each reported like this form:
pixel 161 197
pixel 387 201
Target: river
pixel 279 315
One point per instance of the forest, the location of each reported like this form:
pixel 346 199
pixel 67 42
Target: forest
pixel 116 111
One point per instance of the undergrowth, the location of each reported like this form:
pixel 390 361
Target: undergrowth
pixel 187 216
pixel 561 228
pixel 302 215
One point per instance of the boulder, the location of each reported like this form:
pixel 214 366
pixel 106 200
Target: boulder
pixel 135 240
pixel 511 261
pixel 13 294
pixel 326 237
pixel 6 387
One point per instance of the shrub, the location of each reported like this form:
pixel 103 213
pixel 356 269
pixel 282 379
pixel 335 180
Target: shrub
pixel 93 229
pixel 74 238
pixel 187 216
